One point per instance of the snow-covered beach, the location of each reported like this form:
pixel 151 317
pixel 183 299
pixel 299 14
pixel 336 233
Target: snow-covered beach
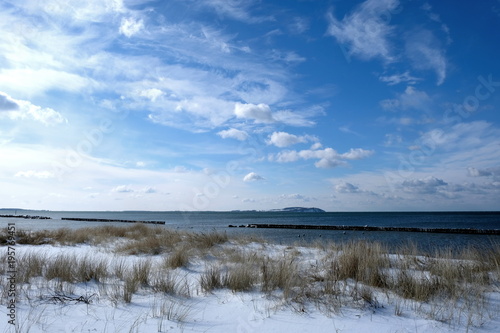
pixel 142 279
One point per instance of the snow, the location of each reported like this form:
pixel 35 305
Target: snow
pixel 219 311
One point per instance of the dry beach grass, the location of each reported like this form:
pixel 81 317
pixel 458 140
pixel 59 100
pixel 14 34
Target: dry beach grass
pixel 175 266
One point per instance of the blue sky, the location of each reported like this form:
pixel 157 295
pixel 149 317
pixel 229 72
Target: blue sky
pixel 245 104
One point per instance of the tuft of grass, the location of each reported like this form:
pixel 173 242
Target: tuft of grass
pixel 169 283
pixel 33 265
pixel 211 279
pixel 282 274
pixel 363 262
pixel 130 287
pixel 446 285
pixel 141 271
pixel 207 240
pixel 241 277
pixel 61 268
pixel 171 310
pixel 88 268
pixel 421 289
pixel 178 258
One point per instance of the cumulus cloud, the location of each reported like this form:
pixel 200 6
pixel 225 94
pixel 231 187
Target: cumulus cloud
pixel 356 154
pixel 149 190
pixel 473 172
pixel 428 185
pixel 233 133
pixel 24 110
pixel 260 113
pixel 122 189
pixel 345 187
pixel 366 31
pixel 152 94
pixel 7 103
pixel 316 145
pixel 252 176
pixel 327 158
pixel 283 139
pixel 131 26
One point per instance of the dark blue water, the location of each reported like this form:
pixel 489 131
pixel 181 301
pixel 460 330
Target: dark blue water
pixel 208 221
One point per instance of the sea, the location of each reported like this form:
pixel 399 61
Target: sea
pixel 220 221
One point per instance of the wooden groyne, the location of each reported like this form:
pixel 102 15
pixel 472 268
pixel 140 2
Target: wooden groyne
pixel 373 228
pixel 28 217
pixel 109 220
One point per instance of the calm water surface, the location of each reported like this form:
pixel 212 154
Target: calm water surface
pixel 208 221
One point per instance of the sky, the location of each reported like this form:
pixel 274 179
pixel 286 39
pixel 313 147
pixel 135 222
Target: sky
pixel 376 105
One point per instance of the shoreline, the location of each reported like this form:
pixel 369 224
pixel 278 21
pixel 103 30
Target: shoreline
pixel 371 228
pixel 147 279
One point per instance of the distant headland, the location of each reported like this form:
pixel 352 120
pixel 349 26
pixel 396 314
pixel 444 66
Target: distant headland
pixel 299 210
pixel 289 210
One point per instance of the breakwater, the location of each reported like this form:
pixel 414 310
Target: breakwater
pixel 109 220
pixel 373 228
pixel 28 217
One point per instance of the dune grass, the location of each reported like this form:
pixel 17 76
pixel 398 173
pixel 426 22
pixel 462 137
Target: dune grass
pixel 447 286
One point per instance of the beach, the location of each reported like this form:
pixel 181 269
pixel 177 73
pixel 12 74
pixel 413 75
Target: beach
pixel 139 278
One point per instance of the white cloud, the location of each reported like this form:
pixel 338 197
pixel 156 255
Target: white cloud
pixel 240 10
pixel 356 154
pixel 471 137
pixel 347 129
pixel 7 103
pixel 233 133
pixel 473 172
pixel 260 113
pixel 428 185
pixel 345 187
pixel 131 26
pixel 289 57
pixel 412 98
pixel 299 25
pixel 153 94
pixel 392 139
pixel 122 189
pixel 399 78
pixel 38 81
pixel 35 174
pixel 173 81
pixel 149 190
pixel 366 31
pixel 296 118
pixel 24 110
pixel 295 196
pixel 425 53
pixel 283 139
pixel 327 158
pixel 91 10
pixel 252 176
pixel 316 146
